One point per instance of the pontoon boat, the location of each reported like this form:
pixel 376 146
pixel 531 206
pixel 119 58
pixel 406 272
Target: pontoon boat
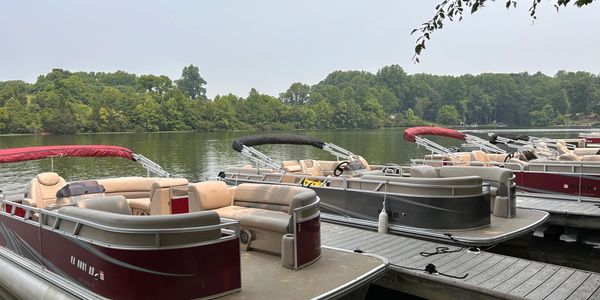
pixel 423 201
pixel 164 238
pixel 539 169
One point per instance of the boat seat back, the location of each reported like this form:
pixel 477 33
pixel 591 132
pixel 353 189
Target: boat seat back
pixel 145 195
pixel 516 164
pixel 480 156
pixel 291 166
pixel 590 158
pixel 113 204
pixel 569 157
pixel 43 189
pixel 129 187
pixel 424 171
pixel 499 175
pixel 160 194
pixel 586 151
pixel 209 195
pixel 311 167
pixel 363 161
pixel 562 148
pixel 247 170
pixel 273 197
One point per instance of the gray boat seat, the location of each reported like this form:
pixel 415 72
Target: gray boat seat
pixel 114 204
pixel 424 171
pixel 42 189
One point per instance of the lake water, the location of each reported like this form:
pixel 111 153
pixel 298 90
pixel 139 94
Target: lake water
pixel 197 156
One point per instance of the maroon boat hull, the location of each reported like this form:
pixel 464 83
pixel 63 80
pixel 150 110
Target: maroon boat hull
pixel 308 235
pixel 182 273
pixel 586 185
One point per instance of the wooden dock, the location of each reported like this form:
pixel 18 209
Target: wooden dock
pixel 490 276
pixel 570 213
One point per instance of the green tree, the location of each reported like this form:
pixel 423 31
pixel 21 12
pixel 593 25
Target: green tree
pixel 448 115
pixel 191 83
pixel 297 94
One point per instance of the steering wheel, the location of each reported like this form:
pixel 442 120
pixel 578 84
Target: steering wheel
pixel 509 156
pixel 339 169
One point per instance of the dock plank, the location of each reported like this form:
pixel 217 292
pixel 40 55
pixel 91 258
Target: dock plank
pixel 490 275
pixel 520 277
pixel 498 268
pixel 536 280
pixel 551 284
pixel 510 271
pixel 569 286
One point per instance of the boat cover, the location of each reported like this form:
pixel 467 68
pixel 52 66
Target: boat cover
pixel 411 133
pixel 514 137
pixel 255 140
pixel 10 155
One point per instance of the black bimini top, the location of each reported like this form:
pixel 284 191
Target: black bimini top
pixel 255 140
pixel 515 137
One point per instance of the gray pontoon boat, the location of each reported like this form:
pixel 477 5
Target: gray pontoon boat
pixel 475 206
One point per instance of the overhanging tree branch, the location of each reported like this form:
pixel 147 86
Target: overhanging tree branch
pixel 454 9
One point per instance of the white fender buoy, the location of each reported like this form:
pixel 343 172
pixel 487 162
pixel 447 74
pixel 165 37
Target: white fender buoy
pixel 382 226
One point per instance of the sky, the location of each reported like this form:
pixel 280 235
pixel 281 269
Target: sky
pixel 270 44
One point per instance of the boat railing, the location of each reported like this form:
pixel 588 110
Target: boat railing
pixel 345 183
pixel 230 229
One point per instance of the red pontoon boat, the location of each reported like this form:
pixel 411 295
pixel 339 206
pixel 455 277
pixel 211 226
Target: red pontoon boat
pixel 161 237
pixel 538 169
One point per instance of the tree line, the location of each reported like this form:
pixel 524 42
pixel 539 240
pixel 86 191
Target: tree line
pixel 73 102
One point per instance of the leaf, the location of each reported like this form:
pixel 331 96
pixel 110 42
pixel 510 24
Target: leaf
pixel 508 4
pixel 414 30
pixel 474 7
pixel 418 49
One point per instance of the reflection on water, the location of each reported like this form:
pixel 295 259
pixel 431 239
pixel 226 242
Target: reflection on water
pixel 197 156
pixel 193 155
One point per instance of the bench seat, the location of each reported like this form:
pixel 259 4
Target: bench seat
pixel 257 217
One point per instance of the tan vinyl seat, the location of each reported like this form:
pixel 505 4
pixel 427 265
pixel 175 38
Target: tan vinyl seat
pixel 112 204
pixel 311 167
pixel 562 148
pixel 266 210
pixel 43 188
pixel 480 157
pixel 291 166
pixel 209 195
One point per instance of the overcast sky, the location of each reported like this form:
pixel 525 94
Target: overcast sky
pixel 268 45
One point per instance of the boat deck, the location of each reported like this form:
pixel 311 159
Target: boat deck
pixel 571 213
pixel 263 277
pixel 489 275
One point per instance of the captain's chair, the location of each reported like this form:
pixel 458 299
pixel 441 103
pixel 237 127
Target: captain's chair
pixel 43 188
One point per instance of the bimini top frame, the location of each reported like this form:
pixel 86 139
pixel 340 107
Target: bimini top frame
pixel 244 145
pixel 414 134
pixel 11 155
pixel 523 142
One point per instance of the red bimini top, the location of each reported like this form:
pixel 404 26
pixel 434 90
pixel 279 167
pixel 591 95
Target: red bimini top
pixel 411 133
pixel 10 155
